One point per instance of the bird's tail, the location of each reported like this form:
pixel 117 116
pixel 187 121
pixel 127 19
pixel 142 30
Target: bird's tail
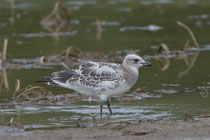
pixel 46 79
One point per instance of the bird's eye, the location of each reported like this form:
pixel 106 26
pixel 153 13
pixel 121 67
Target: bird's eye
pixel 135 60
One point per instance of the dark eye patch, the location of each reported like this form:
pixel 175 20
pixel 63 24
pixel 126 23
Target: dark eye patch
pixel 135 60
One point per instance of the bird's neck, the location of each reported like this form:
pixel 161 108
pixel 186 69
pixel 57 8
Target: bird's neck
pixel 131 75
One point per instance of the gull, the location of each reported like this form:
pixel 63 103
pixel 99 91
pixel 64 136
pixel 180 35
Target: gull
pixel 100 79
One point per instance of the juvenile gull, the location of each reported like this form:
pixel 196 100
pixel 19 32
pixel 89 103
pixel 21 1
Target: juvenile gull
pixel 100 79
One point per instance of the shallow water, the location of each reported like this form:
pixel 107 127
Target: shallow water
pixel 137 25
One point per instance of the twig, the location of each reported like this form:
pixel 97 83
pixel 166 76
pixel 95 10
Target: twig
pixel 191 64
pixel 14 124
pixel 12 5
pixel 17 88
pixel 204 92
pixel 99 29
pixel 186 45
pixel 42 59
pixel 89 114
pixel 56 14
pixel 188 116
pixel 35 99
pixel 4 79
pixel 29 89
pixel 98 25
pixel 52 100
pixel 4 84
pixel 191 34
pixel 163 60
pixel 11 121
pixel 4 52
pixel 164 47
pixel 65 66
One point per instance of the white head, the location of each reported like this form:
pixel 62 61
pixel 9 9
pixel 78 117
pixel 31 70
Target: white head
pixel 135 62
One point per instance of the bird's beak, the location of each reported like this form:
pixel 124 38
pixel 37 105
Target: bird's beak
pixel 147 64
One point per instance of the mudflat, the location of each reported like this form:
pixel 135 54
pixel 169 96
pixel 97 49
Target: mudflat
pixel 145 130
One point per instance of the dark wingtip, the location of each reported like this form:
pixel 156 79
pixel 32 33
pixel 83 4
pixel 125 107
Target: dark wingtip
pixel 40 81
pixel 47 78
pixel 43 79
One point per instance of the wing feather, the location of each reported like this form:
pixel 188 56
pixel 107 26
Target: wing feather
pixel 90 74
pixel 103 71
pixel 63 76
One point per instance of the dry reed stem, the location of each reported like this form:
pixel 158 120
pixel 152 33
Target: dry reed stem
pixel 187 117
pixel 4 52
pixel 12 5
pixel 51 100
pixel 11 121
pixel 204 92
pixel 141 90
pixel 59 17
pixel 55 13
pixel 27 90
pixel 14 124
pixel 32 94
pixel 205 115
pixel 191 64
pixel 99 29
pixel 42 60
pixel 98 25
pixel 124 97
pixel 164 61
pixel 17 88
pixel 64 65
pixel 5 79
pixel 35 99
pixel 67 56
pixel 182 53
pixel 68 51
pixel 83 115
pixel 164 47
pixel 186 45
pixel 4 84
pixel 191 34
pixel 72 52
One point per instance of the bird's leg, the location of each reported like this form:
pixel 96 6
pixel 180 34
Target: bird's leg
pixel 108 104
pixel 101 107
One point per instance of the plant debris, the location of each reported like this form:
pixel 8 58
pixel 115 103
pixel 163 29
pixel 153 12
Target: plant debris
pixel 83 115
pixel 57 19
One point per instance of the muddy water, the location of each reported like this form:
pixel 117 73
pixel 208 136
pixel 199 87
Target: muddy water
pixel 178 84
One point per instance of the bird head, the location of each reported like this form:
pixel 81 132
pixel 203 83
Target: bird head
pixel 133 60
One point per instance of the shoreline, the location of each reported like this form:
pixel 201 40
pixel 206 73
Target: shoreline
pixel 147 130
